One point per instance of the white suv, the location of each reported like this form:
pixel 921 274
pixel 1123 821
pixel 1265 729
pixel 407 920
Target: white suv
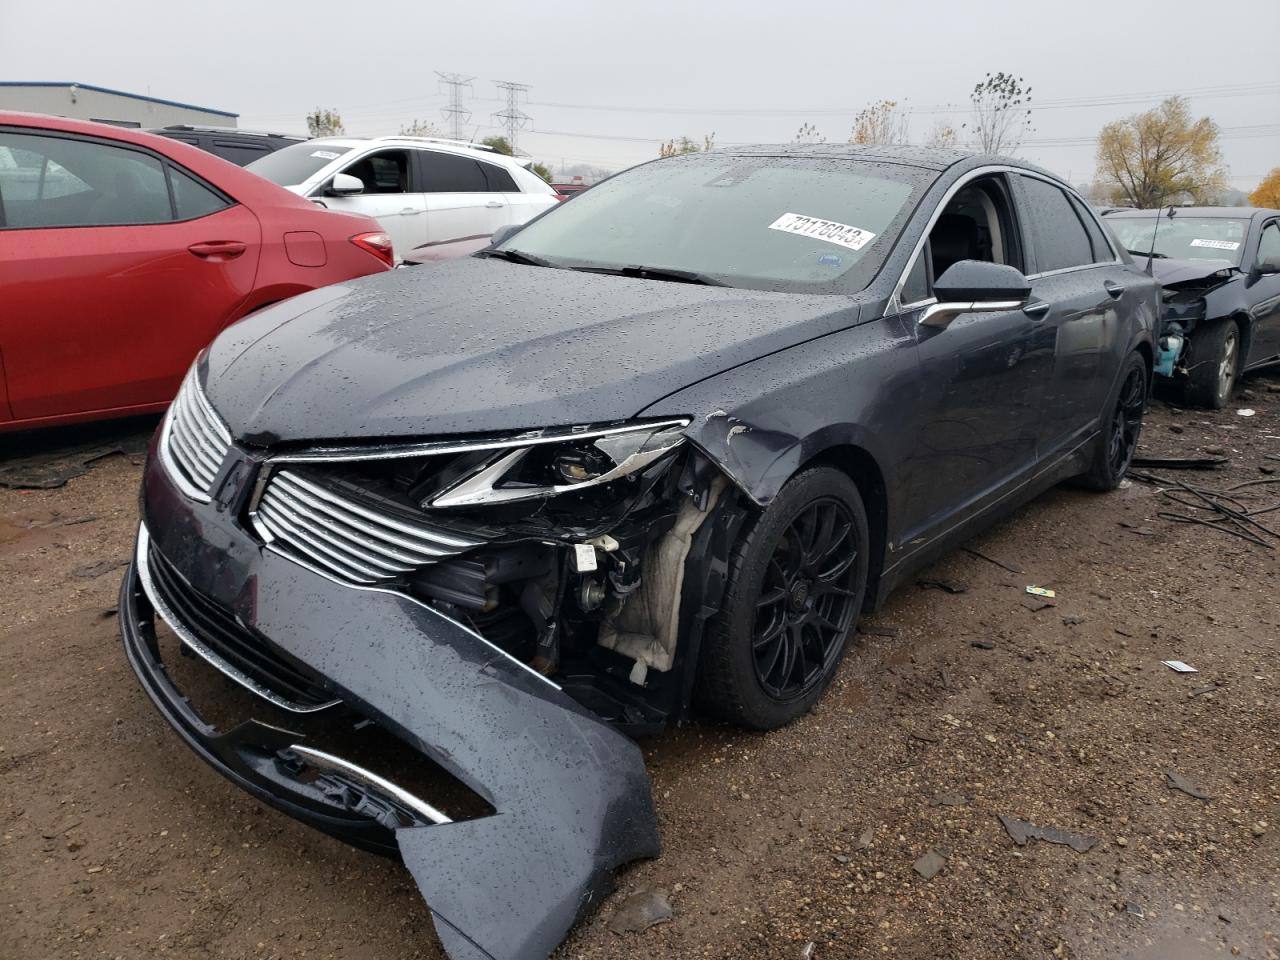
pixel 422 190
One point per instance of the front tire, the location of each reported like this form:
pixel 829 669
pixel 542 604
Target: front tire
pixel 1113 451
pixel 1212 364
pixel 797 579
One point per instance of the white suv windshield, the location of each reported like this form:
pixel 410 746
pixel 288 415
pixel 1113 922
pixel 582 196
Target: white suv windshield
pixel 294 164
pixel 801 224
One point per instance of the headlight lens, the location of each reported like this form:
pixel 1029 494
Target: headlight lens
pixel 546 470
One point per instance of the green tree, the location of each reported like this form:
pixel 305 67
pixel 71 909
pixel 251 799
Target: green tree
pixel 1161 156
pixel 1001 112
pixel 542 170
pixel 325 123
pixel 499 145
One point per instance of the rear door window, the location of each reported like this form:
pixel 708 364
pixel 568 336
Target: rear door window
pixel 239 152
pixel 451 173
pixel 48 181
pixel 1102 252
pixel 1059 237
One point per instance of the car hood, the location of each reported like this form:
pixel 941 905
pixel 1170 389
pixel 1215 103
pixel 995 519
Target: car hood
pixel 481 345
pixel 1175 273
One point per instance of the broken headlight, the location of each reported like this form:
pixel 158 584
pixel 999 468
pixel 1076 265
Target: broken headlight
pixel 534 471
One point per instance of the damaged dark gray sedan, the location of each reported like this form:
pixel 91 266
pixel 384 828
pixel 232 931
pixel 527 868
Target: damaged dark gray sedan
pixel 455 534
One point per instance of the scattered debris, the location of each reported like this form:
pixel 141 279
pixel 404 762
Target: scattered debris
pixel 1246 412
pixel 1072 620
pixel 1177 666
pixel 866 838
pixel 1035 604
pixel 1135 910
pixel 1202 690
pixel 999 563
pixel 878 631
pixel 841 858
pixel 947 586
pixel 1178 782
pixel 924 737
pixel 91 570
pixel 1021 833
pixel 982 644
pixel 950 800
pixel 930 865
pixel 809 951
pixel 52 469
pixel 1233 510
pixel 640 911
pixel 1180 463
pixel 1041 591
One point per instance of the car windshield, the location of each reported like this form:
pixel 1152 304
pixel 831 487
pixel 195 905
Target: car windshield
pixel 1181 237
pixel 294 164
pixel 798 224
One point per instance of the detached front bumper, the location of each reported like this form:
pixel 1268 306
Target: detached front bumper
pixel 570 795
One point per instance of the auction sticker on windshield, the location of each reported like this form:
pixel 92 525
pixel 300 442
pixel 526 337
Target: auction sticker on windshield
pixel 1217 244
pixel 855 238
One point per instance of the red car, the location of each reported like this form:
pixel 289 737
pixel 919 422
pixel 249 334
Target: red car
pixel 123 253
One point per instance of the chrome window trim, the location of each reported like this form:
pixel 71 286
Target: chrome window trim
pixel 896 305
pixel 367 778
pixel 143 563
pixel 431 448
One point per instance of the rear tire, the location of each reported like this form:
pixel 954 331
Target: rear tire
pixel 797 579
pixel 1213 363
pixel 1122 425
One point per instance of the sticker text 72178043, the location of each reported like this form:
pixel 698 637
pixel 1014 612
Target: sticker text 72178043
pixel 855 238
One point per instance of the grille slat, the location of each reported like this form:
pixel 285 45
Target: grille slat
pixel 195 440
pixel 232 645
pixel 352 540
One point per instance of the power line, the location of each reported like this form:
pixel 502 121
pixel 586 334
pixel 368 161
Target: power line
pixel 455 113
pixel 513 117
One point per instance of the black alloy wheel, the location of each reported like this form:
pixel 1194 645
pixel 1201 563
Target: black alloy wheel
pixel 796 581
pixel 1126 422
pixel 806 604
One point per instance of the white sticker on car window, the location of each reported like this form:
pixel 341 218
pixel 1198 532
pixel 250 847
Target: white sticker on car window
pixel 325 154
pixel 855 238
pixel 1217 244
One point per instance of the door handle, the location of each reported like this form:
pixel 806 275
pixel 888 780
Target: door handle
pixel 1114 290
pixel 1037 310
pixel 494 204
pixel 218 249
pixel 411 211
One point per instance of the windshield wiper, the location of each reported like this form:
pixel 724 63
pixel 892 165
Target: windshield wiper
pixel 516 256
pixel 657 273
pixel 1148 253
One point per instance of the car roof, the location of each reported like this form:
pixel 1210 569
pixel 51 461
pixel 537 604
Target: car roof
pixel 422 143
pixel 1236 213
pixel 223 131
pixel 928 158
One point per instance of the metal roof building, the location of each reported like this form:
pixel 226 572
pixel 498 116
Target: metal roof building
pixel 84 101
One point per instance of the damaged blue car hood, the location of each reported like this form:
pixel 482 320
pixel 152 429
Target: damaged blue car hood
pixel 478 345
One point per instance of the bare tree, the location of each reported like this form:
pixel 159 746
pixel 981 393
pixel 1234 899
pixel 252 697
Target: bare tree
pixel 680 145
pixel 1001 112
pixel 944 134
pixel 808 133
pixel 420 128
pixel 325 123
pixel 881 122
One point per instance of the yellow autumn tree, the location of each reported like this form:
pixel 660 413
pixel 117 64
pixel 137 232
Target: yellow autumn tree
pixel 1268 192
pixel 1161 156
pixel 881 122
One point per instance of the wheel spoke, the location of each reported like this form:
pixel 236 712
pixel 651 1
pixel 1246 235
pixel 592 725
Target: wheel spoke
pixel 770 633
pixel 776 595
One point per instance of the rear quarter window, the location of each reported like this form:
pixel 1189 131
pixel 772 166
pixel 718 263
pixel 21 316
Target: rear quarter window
pixel 1058 235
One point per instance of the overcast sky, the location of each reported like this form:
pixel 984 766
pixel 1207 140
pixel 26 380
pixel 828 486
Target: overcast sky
pixel 609 81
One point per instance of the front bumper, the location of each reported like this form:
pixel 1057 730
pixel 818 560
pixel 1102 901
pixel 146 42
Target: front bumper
pixel 570 796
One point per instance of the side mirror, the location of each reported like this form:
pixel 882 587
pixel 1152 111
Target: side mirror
pixel 1268 265
pixel 975 286
pixel 344 185
pixel 504 233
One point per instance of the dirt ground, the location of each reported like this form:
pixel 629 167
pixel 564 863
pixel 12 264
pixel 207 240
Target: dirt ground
pixel 951 710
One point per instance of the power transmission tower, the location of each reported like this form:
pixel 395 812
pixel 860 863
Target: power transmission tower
pixel 455 113
pixel 513 117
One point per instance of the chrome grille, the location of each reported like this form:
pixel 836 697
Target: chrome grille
pixel 350 539
pixel 195 440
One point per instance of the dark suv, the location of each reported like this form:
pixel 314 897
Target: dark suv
pixel 241 147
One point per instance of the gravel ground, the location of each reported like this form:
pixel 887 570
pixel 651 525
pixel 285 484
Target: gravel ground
pixel 950 711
